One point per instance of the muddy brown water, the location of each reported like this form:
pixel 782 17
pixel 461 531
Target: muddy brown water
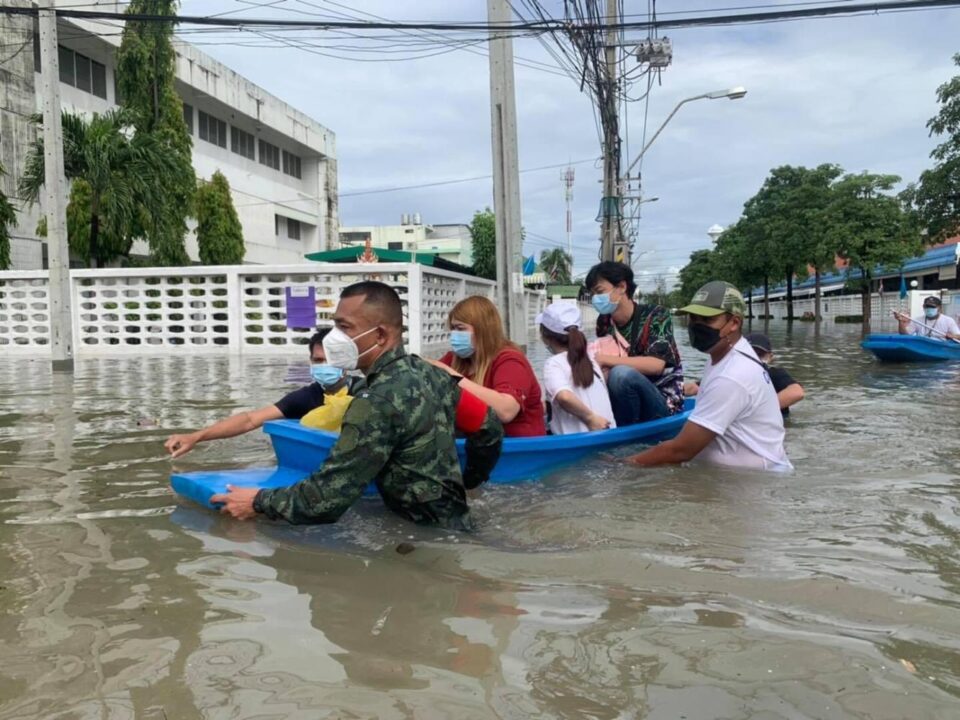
pixel 600 592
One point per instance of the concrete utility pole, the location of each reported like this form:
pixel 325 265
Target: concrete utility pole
pixel 506 175
pixel 610 204
pixel 61 327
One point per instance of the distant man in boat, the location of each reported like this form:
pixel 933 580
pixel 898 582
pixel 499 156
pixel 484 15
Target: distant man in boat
pixel 292 406
pixel 736 421
pixel 932 324
pixel 398 432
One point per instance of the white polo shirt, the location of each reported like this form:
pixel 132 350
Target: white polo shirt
pixel 737 402
pixel 934 328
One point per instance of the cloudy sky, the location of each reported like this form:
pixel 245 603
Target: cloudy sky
pixel 853 91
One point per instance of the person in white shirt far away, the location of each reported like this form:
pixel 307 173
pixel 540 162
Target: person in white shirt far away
pixel 932 324
pixel 572 380
pixel 736 421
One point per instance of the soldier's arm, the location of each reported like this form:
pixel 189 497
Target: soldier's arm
pixel 366 442
pixel 484 434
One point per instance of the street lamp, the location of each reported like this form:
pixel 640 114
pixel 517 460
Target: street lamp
pixel 733 93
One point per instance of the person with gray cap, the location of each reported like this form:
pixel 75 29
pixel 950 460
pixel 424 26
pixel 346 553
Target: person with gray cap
pixel 736 421
pixel 933 323
pixel 572 380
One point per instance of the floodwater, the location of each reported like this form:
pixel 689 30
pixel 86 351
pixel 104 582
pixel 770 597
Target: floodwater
pixel 601 592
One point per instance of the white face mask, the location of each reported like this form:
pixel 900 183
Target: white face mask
pixel 341 349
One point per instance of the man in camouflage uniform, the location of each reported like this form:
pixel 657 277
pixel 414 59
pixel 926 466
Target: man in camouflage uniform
pixel 398 432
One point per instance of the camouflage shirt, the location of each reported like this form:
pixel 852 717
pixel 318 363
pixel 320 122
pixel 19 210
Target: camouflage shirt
pixel 398 432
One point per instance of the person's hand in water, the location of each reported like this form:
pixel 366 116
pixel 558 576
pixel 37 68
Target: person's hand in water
pixel 178 445
pixel 237 502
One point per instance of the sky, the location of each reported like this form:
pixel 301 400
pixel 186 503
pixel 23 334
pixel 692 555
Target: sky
pixel 852 91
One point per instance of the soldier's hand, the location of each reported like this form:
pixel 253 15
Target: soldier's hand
pixel 237 502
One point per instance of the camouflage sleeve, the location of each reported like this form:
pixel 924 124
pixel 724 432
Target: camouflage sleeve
pixel 367 439
pixel 483 449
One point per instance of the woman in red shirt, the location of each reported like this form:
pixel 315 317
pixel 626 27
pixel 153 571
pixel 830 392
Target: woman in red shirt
pixel 482 354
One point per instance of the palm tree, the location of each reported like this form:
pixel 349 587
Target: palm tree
pixel 113 172
pixel 557 266
pixel 8 217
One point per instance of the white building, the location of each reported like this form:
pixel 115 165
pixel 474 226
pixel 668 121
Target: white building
pixel 450 241
pixel 280 163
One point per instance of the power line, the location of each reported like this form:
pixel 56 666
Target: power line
pixel 531 28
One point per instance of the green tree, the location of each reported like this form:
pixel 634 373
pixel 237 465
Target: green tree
pixel 219 233
pixel 747 257
pixel 937 196
pixel 111 167
pixel 697 272
pixel 483 236
pixel 557 265
pixel 870 228
pixel 8 216
pixel 145 80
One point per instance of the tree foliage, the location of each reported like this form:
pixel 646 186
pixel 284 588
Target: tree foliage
pixel 557 265
pixel 870 226
pixel 8 217
pixel 937 196
pixel 483 236
pixel 112 168
pixel 145 80
pixel 697 272
pixel 219 233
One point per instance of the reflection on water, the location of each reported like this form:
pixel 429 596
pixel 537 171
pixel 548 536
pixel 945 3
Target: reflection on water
pixel 603 591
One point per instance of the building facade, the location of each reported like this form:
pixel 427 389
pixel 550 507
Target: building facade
pixel 280 163
pixel 450 241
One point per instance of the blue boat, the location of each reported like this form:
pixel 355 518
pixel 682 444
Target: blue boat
pixel 911 348
pixel 301 450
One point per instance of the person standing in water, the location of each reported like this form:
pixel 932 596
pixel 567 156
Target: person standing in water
pixel 737 420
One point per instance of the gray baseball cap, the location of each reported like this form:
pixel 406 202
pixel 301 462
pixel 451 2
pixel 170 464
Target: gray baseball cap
pixel 715 298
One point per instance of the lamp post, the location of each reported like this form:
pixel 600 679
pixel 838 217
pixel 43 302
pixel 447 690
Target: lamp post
pixel 734 93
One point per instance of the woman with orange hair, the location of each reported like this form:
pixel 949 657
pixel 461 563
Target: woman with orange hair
pixel 493 368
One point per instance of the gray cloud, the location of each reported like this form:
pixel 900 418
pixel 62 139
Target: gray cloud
pixel 854 91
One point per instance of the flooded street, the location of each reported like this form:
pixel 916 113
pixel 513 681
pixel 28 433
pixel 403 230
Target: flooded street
pixel 601 592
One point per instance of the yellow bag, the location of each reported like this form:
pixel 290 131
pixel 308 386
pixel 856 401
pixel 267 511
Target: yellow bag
pixel 328 416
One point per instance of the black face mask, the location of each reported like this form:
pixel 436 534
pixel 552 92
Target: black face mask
pixel 703 337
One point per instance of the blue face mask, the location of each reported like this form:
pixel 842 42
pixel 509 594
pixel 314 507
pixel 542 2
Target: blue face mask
pixel 461 342
pixel 326 375
pixel 603 304
pixel 931 312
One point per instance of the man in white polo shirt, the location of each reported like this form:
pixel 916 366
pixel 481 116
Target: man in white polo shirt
pixel 737 419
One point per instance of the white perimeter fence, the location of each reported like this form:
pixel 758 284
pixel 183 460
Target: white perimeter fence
pixel 881 306
pixel 217 309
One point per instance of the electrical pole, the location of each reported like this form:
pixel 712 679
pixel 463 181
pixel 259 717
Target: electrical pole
pixel 61 323
pixel 609 114
pixel 506 175
pixel 567 177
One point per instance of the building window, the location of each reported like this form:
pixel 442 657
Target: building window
pixel 241 142
pixel 67 74
pixel 99 76
pixel 293 229
pixel 82 73
pixel 276 225
pixel 291 164
pixel 36 50
pixel 188 117
pixel 211 129
pixel 269 155
pixel 82 65
pixel 394 245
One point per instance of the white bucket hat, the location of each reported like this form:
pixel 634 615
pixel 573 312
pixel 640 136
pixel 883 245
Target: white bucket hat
pixel 559 316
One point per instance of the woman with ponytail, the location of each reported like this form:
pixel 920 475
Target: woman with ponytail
pixel 571 379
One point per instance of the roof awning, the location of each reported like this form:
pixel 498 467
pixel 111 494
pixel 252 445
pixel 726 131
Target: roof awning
pixel 351 254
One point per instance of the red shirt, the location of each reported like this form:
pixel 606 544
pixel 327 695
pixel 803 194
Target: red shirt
pixel 510 373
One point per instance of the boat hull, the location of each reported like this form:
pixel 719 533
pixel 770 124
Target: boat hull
pixel 911 348
pixel 301 450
